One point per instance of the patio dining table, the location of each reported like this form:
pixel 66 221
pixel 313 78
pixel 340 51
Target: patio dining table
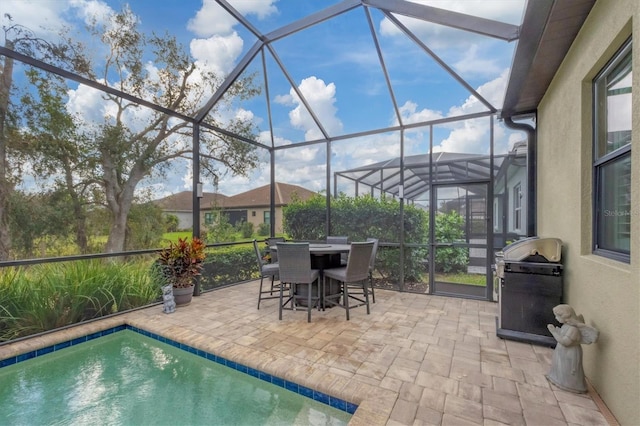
pixel 323 256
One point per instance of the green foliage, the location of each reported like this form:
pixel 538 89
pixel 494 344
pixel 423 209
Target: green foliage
pixel 246 229
pixel 98 222
pixel 365 216
pixel 101 163
pixel 220 231
pixel 179 262
pixel 305 220
pixel 450 228
pixel 48 296
pixel 171 223
pixel 228 265
pixel 361 218
pixel 145 226
pixel 57 149
pixel 264 229
pixel 452 259
pixel 39 218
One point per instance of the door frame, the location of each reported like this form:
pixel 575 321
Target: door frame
pixel 449 289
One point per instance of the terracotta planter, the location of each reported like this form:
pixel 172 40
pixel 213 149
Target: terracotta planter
pixel 183 295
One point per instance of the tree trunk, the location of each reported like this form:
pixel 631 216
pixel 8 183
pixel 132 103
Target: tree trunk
pixel 119 203
pixel 78 212
pixel 6 80
pixel 117 233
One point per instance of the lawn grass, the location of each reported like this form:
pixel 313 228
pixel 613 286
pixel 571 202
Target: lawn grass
pixel 173 236
pixel 479 280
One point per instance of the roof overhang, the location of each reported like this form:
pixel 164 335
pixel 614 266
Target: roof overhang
pixel 548 29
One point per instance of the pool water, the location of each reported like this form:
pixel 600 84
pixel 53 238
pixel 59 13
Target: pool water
pixel 126 378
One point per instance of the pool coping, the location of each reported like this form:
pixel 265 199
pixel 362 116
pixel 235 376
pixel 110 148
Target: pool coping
pixel 305 391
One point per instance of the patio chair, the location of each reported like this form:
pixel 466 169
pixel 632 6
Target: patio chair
pixel 297 277
pixel 355 276
pixel 372 265
pixel 267 270
pixel 272 242
pixel 333 239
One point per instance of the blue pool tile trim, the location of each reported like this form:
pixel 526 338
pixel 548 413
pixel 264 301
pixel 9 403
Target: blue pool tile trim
pixel 275 380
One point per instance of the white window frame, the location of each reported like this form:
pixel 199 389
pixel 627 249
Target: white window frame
pixel 517 207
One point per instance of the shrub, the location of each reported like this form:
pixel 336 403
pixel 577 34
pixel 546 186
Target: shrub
pixel 228 265
pixel 145 226
pixel 245 229
pixel 305 220
pixel 360 218
pixel 171 223
pixel 221 231
pixel 264 229
pixel 450 227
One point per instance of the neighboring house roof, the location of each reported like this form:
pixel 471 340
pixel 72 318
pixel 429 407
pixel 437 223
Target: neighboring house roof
pixel 284 194
pixel 183 201
pixel 258 197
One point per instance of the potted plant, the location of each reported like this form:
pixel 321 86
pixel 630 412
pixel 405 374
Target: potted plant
pixel 179 263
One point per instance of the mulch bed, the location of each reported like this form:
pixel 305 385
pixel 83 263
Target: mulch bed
pixel 413 287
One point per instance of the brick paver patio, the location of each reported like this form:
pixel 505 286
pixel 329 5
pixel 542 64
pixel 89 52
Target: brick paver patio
pixel 417 359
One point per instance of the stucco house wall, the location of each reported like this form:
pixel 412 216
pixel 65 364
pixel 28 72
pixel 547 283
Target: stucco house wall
pixel 605 291
pixel 185 219
pixel 259 217
pixel 258 200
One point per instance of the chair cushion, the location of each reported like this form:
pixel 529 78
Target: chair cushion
pixel 270 269
pixel 336 273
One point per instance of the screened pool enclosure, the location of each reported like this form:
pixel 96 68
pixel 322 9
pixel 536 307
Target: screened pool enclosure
pixel 390 111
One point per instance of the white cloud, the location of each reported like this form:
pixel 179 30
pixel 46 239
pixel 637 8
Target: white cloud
pixel 364 150
pixel 92 10
pixel 468 53
pixel 217 53
pixel 472 62
pixel 310 176
pixel 470 136
pixel 213 19
pixel 220 45
pixel 321 98
pixel 264 137
pixel 246 115
pixel 286 100
pixel 42 18
pixel 87 103
pixel 410 114
pixel 187 177
pixel 492 91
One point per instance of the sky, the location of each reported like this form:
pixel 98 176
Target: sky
pixel 333 64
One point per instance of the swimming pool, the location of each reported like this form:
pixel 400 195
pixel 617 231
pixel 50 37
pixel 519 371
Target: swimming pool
pixel 135 377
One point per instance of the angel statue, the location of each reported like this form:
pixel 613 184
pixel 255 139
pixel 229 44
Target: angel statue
pixel 566 367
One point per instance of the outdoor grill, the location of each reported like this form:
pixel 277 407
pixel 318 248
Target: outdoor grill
pixel 530 285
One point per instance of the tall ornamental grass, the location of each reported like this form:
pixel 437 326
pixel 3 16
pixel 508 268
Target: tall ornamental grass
pixel 44 297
